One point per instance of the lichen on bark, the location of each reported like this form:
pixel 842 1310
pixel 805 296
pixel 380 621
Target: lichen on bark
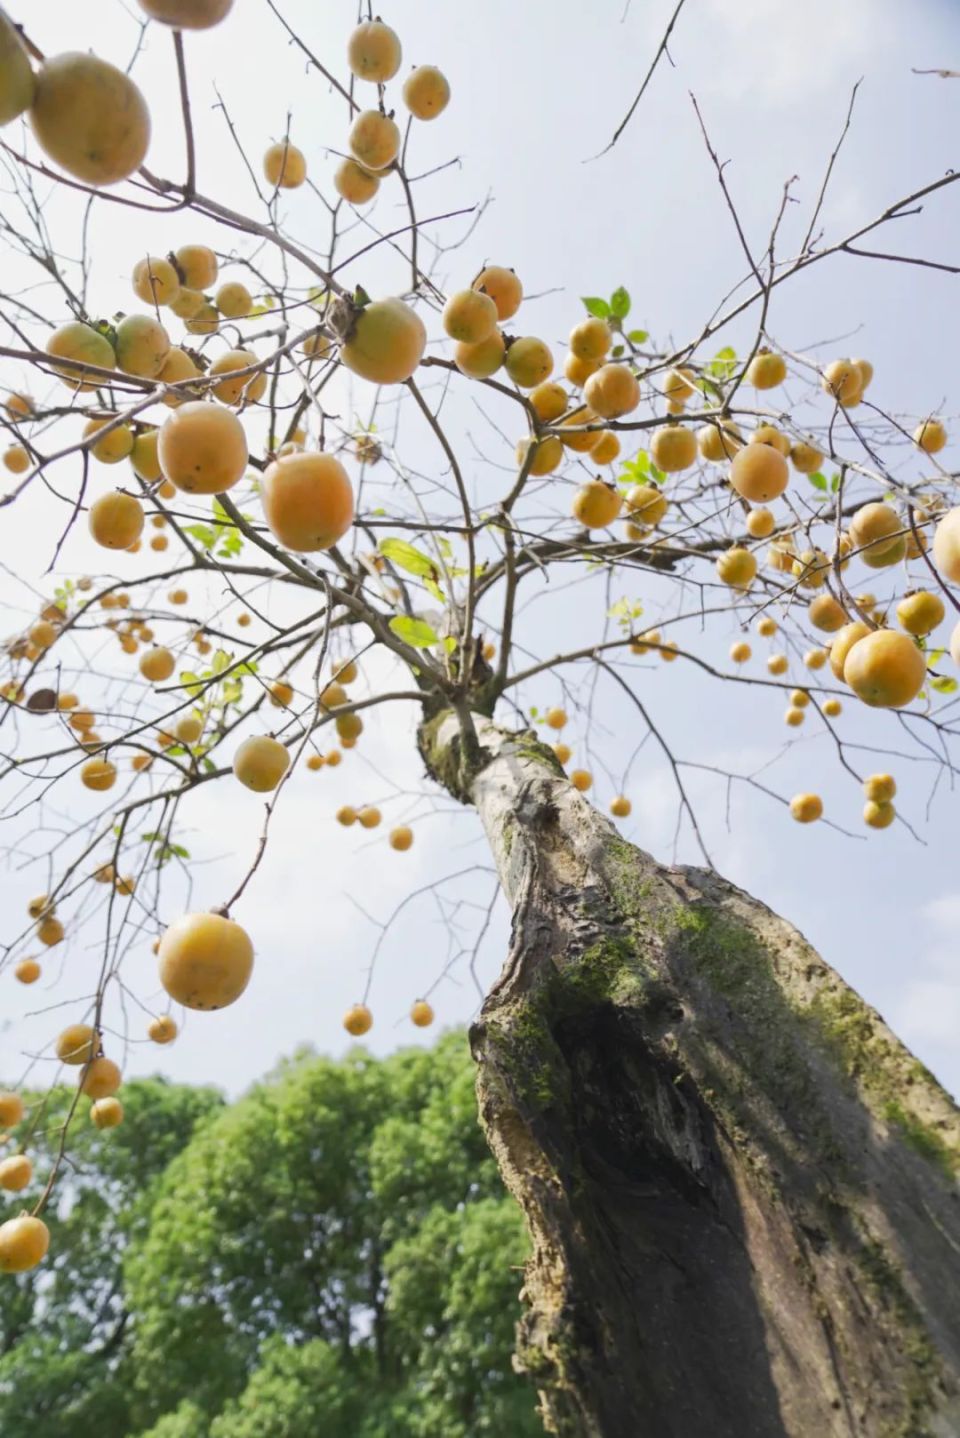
pixel 739 1185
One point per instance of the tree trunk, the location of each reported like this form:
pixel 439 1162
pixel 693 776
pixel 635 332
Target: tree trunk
pixel 740 1187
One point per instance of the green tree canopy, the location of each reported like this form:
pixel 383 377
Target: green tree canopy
pixel 331 1254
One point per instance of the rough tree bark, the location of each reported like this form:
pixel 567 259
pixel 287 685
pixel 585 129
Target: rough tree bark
pixel 740 1187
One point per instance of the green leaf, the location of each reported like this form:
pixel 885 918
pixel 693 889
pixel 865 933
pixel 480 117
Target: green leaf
pixel 414 631
pixel 202 533
pixel 620 303
pixel 834 483
pixel 638 337
pixel 819 481
pixel 944 684
pixel 723 363
pixel 433 588
pixel 232 691
pixel 597 307
pixel 221 661
pixel 407 557
pixel 449 644
pixel 191 683
pixel 249 666
pixel 616 352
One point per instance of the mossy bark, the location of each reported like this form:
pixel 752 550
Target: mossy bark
pixel 740 1187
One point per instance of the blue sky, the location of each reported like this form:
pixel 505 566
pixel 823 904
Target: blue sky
pixel 536 93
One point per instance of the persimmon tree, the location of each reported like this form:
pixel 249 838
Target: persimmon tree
pixel 739 1185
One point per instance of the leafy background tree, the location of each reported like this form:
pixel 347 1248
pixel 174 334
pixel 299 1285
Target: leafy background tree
pixel 334 1250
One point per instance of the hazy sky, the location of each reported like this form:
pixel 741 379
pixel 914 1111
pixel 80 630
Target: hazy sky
pixel 537 90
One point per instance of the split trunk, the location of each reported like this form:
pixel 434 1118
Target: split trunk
pixel 740 1187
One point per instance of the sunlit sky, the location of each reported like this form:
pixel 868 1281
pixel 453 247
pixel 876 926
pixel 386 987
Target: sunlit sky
pixel 537 91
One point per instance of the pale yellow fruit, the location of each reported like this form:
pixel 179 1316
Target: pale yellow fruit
pixel 760 523
pixel 613 391
pixel 815 658
pixel 584 442
pixel 157 664
pixel 805 458
pixel 374 52
pixel 581 779
pixel 358 1020
pixel 116 520
pixel 205 961
pixel 84 345
pixel 142 346
pixel 844 640
pixel 23 1243
pixel 875 530
pixel 885 669
pixel 740 652
pixel 234 300
pixel 759 473
pixel 189 728
pixel 777 664
pixel 590 339
pixel 198 266
pixel 113 447
pixel 766 626
pixel 737 568
pixel 931 436
pixel 100 1078
pixel 260 763
pixel 401 838
pixel 920 613
pixel 386 343
pixel 596 504
pixel 794 717
pixel 528 362
pixel 878 815
pixel 832 707
pixel 374 140
pixel 15 1172
pixel 422 1014
pixel 202 448
pixel 469 316
pixel 769 434
pixel 106 1112
pixel 647 504
pixel 826 614
pixel 11 1109
pixel 880 788
pixel 719 441
pixel 426 92
pixel 578 371
pixel 177 367
pixel 480 361
pixel 504 288
pixel 187 302
pixel 766 370
pixel 162 1029
pixel 187 14
pixel 284 166
pixel 245 388
pixel 546 455
pixel 17 84
pixel 806 808
pixel 155 281
pixel 620 807
pixel 98 774
pixel 90 118
pixel 843 380
pixel 673 448
pixel 606 449
pixel 307 501
pixel 946 545
pixel 27 971
pixel 679 385
pixel 204 321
